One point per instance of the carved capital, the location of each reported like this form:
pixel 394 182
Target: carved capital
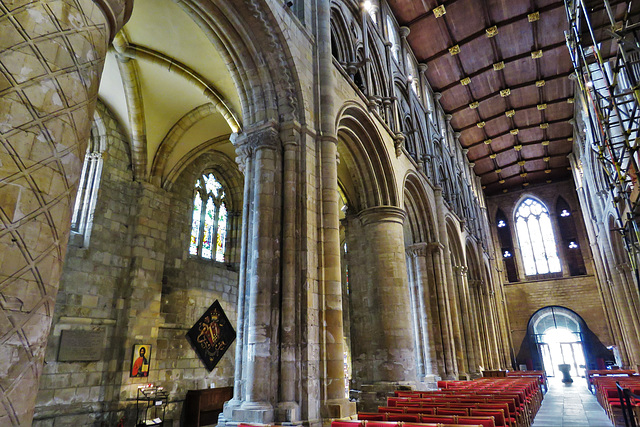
pixel 418 250
pixel 253 139
pixel 404 32
pixel 382 214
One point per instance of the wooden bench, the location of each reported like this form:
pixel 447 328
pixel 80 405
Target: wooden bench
pixel 202 407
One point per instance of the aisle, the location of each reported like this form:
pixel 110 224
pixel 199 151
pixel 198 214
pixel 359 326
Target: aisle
pixel 570 406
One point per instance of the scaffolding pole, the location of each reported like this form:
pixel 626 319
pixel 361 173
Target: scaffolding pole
pixel 604 45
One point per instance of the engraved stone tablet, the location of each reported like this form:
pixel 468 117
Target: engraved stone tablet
pixel 80 346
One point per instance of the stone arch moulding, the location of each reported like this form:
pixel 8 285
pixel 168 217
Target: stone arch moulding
pixel 257 57
pixel 192 156
pixel 364 154
pixel 419 208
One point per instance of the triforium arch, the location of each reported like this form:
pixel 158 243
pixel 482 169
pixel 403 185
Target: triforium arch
pixel 361 151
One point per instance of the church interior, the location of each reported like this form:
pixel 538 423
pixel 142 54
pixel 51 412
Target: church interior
pixel 297 208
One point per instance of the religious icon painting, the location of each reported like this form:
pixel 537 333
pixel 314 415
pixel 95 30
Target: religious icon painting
pixel 211 336
pixel 140 359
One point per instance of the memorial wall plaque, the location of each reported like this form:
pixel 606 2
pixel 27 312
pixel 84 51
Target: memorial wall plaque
pixel 81 346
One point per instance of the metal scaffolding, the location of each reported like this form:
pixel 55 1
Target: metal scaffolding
pixel 604 44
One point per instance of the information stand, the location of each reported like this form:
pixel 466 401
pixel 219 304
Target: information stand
pixel 151 404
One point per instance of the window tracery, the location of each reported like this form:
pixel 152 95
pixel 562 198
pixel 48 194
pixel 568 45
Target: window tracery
pixel 537 242
pixel 209 219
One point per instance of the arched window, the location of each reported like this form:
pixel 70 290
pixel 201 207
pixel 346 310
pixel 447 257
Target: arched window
pixel 506 246
pixel 535 234
pixel 393 38
pixel 209 220
pixel 412 75
pixel 82 218
pixel 569 235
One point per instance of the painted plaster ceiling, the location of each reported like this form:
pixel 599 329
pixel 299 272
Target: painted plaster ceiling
pixel 502 68
pixel 164 29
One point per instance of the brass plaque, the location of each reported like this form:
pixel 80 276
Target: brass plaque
pixel 81 346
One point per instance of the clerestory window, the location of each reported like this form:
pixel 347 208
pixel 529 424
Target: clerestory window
pixel 535 234
pixel 85 204
pixel 209 220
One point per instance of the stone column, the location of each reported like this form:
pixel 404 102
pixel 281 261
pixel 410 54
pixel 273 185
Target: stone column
pixel 52 55
pixel 427 309
pixel 395 360
pixel 466 315
pixel 260 155
pixel 449 367
pixel 449 282
pixel 335 403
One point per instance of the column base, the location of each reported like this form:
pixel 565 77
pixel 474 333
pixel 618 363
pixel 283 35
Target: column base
pixel 236 412
pixel 288 413
pixel 374 395
pixel 337 408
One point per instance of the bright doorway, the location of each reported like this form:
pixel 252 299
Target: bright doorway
pixel 559 340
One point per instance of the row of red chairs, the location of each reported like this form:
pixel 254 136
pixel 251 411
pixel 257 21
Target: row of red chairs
pixel 607 394
pixel 521 396
pixel 360 423
pixel 485 418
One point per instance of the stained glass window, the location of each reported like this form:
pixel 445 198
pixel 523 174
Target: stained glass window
pixel 537 243
pixel 209 223
pixel 195 224
pixel 222 232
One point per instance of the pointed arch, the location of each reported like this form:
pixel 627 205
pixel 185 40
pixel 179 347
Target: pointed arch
pixel 419 210
pixel 536 239
pixel 365 169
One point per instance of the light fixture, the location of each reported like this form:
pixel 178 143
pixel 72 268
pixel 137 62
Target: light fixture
pixel 367 5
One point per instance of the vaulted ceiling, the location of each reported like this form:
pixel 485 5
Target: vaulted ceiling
pixel 502 69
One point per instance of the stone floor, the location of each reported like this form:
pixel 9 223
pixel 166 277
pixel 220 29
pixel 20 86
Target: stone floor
pixel 570 405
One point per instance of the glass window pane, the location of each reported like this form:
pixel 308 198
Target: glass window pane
pixel 525 247
pixel 222 233
pixel 537 242
pixel 208 229
pixel 195 225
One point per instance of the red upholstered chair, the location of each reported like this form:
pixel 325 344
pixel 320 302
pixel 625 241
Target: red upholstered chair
pixel 380 424
pixel 426 411
pixel 344 424
pixel 372 416
pixel 497 414
pixel 390 409
pixel 410 418
pixel 477 421
pixel 452 411
pixel 436 419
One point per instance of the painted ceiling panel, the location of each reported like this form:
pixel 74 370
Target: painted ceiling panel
pixel 523 67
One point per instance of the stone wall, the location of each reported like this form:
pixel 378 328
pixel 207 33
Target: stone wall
pixel 580 293
pixel 91 296
pixel 136 284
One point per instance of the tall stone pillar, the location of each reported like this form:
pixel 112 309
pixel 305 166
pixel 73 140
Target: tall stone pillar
pixel 426 310
pixel 52 54
pixel 256 370
pixel 395 358
pixel 335 403
pixel 449 370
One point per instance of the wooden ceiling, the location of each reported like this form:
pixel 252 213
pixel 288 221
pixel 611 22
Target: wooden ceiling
pixel 502 67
